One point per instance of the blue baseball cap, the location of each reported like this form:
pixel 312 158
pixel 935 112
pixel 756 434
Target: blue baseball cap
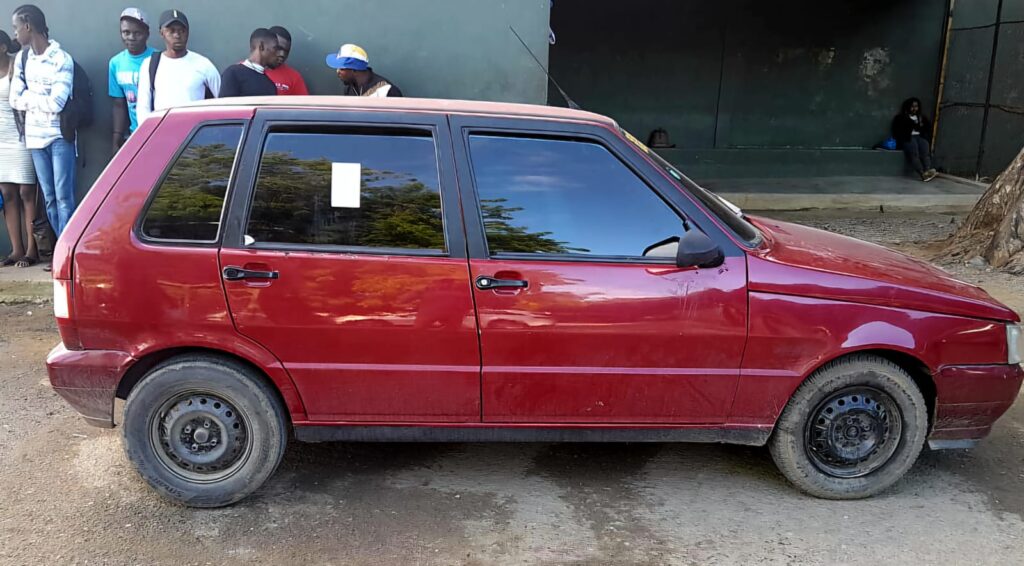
pixel 350 56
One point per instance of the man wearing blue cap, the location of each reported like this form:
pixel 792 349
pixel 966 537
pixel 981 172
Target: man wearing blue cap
pixel 353 67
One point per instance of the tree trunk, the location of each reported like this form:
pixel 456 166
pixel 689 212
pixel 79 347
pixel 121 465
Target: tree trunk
pixel 995 228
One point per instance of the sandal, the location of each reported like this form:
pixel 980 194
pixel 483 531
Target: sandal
pixel 26 262
pixel 8 262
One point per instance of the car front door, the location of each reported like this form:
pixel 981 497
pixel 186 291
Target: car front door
pixel 578 324
pixel 344 255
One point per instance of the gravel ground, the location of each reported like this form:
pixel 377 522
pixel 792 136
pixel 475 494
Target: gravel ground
pixel 68 496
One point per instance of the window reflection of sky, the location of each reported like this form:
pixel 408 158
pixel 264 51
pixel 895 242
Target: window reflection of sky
pixel 578 191
pixel 411 157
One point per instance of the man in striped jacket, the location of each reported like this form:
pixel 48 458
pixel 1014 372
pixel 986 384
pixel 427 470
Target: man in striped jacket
pixel 41 88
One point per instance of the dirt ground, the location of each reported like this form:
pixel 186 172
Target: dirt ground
pixel 68 496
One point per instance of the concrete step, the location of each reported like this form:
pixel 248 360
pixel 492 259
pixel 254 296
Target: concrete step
pixel 895 194
pixel 701 164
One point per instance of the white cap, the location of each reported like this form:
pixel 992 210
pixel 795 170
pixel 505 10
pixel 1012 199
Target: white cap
pixel 135 14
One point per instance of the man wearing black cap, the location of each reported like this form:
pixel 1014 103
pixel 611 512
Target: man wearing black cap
pixel 249 78
pixel 176 76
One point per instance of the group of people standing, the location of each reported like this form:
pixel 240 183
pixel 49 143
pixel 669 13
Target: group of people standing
pixel 39 87
pixel 37 139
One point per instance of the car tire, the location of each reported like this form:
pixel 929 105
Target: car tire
pixel 851 430
pixel 204 431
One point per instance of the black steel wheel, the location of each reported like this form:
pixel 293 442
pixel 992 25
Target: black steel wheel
pixel 852 429
pixel 201 437
pixel 854 432
pixel 204 430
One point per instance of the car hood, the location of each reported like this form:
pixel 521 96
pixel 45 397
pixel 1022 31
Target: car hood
pixel 797 260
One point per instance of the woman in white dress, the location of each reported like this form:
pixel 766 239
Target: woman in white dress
pixel 17 174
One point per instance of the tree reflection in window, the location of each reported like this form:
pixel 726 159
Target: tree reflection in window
pixel 504 236
pixel 400 204
pixel 189 202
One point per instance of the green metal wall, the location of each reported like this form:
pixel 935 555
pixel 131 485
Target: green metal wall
pixel 449 49
pixel 750 73
pixel 961 147
pixel 753 87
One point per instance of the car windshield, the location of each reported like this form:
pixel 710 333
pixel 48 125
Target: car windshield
pixel 727 212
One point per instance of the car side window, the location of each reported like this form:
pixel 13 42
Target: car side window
pixel 565 197
pixel 188 204
pixel 364 189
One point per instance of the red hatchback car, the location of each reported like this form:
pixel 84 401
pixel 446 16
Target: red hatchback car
pixel 250 271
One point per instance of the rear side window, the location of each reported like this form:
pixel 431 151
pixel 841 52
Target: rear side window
pixel 188 203
pixel 565 197
pixel 361 189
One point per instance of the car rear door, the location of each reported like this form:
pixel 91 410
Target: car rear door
pixel 344 255
pixel 577 325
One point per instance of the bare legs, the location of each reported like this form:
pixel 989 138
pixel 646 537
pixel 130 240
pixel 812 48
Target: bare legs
pixel 19 212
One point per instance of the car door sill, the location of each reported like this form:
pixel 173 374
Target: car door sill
pixel 750 436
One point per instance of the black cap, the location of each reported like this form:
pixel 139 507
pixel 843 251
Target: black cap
pixel 173 16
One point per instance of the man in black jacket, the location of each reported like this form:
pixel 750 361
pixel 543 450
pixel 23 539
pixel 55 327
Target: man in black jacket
pixel 249 78
pixel 913 132
pixel 352 65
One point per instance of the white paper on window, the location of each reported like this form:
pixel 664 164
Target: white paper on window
pixel 346 181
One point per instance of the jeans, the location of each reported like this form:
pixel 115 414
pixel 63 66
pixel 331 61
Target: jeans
pixel 918 153
pixel 55 169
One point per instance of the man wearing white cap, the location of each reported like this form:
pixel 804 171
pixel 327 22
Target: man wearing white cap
pixel 353 67
pixel 123 74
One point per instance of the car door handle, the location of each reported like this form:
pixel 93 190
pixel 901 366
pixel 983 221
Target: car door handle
pixel 486 283
pixel 239 274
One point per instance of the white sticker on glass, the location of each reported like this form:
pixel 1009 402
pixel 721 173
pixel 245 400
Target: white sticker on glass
pixel 346 181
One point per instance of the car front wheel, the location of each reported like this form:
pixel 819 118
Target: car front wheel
pixel 852 430
pixel 204 431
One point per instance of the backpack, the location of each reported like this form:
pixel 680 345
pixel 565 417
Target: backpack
pixel 154 65
pixel 77 112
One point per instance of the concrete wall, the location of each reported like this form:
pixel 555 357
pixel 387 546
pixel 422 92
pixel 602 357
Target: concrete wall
pixel 449 49
pixel 970 60
pixel 750 73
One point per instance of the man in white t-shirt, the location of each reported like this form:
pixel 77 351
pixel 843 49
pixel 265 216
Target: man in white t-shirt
pixel 182 76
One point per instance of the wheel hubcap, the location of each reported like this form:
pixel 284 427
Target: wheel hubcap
pixel 854 432
pixel 201 437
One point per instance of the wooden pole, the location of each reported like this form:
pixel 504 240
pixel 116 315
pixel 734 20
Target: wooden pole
pixel 942 73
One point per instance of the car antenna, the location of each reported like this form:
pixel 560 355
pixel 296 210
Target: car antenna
pixel 572 104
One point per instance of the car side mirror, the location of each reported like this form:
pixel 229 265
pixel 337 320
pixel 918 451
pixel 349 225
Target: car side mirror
pixel 667 248
pixel 696 249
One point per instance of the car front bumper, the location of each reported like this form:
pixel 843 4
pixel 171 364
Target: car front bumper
pixel 969 401
pixel 88 380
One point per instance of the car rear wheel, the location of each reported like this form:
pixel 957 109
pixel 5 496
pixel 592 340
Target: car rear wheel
pixel 204 431
pixel 852 430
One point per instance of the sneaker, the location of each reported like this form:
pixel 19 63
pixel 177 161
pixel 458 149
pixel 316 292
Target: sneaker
pixel 928 176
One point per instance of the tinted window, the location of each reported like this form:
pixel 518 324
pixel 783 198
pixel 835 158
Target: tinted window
pixel 565 197
pixel 725 211
pixel 188 204
pixel 348 189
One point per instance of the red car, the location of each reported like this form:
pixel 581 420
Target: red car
pixel 250 271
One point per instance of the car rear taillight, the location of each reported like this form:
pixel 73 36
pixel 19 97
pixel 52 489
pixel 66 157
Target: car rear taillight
pixel 62 299
pixel 63 311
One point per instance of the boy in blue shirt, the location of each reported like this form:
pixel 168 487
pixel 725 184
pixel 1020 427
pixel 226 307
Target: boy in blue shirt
pixel 123 82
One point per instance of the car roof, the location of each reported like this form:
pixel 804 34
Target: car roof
pixel 408 104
